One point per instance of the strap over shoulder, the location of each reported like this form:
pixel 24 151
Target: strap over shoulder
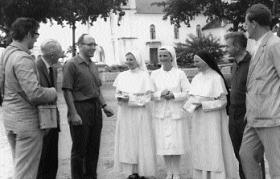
pixel 3 61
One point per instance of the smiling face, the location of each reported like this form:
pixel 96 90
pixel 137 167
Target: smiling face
pixel 165 57
pixel 88 46
pixel 231 49
pixel 130 61
pixel 199 63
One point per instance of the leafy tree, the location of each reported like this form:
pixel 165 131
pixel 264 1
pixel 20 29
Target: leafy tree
pixel 62 11
pixel 85 11
pixel 12 9
pixel 183 11
pixel 185 51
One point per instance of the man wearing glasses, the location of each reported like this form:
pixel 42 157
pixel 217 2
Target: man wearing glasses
pixel 22 93
pixel 81 87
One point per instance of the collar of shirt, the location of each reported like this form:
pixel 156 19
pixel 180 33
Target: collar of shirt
pixel 82 60
pixel 258 43
pixel 46 63
pixel 20 46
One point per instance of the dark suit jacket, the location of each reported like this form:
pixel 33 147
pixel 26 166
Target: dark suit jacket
pixel 44 78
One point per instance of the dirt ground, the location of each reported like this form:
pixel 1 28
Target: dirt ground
pixel 105 165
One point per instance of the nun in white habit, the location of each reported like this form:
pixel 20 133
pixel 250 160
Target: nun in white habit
pixel 171 91
pixel 212 150
pixel 134 145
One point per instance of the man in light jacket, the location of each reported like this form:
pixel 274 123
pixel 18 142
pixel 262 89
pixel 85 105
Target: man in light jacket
pixel 22 93
pixel 262 132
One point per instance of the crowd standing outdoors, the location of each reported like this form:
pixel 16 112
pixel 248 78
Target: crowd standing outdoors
pixel 232 129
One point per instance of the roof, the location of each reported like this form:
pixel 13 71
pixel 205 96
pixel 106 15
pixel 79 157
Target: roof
pixel 216 23
pixel 145 7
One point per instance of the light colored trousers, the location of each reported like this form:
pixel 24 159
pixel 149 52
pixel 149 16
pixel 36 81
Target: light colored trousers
pixel 256 142
pixel 26 150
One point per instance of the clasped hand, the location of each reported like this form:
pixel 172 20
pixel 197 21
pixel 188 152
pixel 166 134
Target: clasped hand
pixel 166 94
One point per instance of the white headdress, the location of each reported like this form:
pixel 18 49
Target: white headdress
pixel 138 58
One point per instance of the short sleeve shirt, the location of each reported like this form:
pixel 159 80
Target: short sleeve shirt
pixel 81 77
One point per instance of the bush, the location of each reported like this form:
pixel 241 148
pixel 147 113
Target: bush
pixel 151 66
pixel 186 51
pixel 116 68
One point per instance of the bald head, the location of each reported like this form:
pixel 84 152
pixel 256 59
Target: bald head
pixel 51 50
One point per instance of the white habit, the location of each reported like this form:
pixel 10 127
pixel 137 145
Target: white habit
pixel 212 151
pixel 134 143
pixel 169 115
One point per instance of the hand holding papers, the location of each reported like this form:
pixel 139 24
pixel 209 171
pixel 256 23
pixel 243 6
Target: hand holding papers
pixel 192 104
pixel 122 96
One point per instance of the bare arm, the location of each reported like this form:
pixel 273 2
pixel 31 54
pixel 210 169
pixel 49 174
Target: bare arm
pixel 73 116
pixel 107 110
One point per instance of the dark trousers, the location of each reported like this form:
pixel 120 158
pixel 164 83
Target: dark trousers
pixel 237 125
pixel 49 156
pixel 86 141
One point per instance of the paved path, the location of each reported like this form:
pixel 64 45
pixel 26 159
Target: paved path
pixel 106 151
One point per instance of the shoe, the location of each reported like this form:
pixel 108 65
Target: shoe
pixel 169 176
pixel 176 176
pixel 133 176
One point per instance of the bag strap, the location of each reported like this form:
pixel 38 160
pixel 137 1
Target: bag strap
pixel 5 58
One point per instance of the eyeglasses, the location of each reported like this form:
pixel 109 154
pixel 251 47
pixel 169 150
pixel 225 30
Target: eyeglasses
pixel 90 44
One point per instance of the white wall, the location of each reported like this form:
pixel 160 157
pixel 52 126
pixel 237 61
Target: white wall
pixel 138 26
pixel 110 36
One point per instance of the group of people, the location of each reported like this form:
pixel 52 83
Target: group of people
pixel 152 118
pixel 231 129
pixel 27 83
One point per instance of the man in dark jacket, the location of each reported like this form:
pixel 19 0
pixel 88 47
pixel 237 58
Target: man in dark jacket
pixel 236 43
pixel 47 72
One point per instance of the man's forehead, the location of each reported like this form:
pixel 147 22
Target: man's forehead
pixel 89 39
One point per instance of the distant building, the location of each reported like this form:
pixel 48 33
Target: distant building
pixel 142 28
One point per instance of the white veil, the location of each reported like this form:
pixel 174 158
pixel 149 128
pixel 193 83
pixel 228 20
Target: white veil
pixel 138 58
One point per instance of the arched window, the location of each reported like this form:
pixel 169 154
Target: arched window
pixel 152 31
pixel 176 32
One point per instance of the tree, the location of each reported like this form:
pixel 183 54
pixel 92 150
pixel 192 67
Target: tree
pixel 62 11
pixel 183 11
pixel 85 11
pixel 186 51
pixel 11 9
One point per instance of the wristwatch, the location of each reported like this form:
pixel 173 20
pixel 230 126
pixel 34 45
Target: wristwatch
pixel 103 106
